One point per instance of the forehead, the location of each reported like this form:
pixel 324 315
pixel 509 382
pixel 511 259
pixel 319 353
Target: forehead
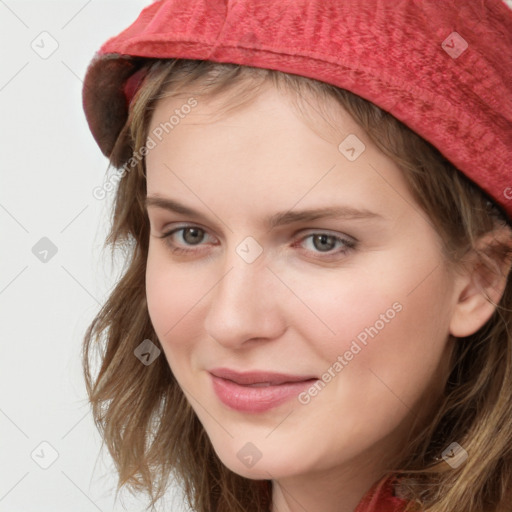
pixel 276 147
pixel 317 108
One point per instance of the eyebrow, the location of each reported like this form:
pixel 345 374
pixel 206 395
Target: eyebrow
pixel 277 219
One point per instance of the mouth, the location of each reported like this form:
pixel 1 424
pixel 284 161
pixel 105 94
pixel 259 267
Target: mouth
pixel 257 391
pixel 259 378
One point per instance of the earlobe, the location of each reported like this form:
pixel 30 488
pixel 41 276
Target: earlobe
pixel 480 290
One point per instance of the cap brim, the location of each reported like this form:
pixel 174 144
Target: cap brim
pixel 106 110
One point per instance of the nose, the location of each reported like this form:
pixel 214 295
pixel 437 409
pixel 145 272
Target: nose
pixel 245 306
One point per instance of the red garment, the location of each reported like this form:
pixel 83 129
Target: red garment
pixel 380 498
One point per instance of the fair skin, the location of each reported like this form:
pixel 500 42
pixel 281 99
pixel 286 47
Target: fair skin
pixel 298 306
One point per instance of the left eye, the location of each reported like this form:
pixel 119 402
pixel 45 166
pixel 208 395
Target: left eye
pixel 324 242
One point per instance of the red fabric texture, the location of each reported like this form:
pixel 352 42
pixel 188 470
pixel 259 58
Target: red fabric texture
pixel 380 498
pixel 444 68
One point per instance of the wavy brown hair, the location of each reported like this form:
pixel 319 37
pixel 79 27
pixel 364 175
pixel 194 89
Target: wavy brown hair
pixel 147 424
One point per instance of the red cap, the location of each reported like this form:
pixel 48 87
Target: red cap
pixel 443 68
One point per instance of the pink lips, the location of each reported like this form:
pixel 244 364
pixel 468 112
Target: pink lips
pixel 256 391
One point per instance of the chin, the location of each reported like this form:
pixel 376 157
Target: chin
pixel 265 468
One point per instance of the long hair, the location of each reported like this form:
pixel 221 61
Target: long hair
pixel 146 422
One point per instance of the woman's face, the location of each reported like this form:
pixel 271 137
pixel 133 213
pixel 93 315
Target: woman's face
pixel 295 252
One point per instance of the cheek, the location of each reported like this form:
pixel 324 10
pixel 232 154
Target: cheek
pixel 174 294
pixel 381 335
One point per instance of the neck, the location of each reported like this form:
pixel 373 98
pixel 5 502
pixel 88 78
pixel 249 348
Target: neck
pixel 332 490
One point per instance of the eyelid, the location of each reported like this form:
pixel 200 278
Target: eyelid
pixel 324 231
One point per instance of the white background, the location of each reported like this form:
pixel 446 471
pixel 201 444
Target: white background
pixel 49 165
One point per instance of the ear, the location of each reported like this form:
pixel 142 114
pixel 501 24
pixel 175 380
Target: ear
pixel 482 283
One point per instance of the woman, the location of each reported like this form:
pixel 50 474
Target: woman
pixel 315 306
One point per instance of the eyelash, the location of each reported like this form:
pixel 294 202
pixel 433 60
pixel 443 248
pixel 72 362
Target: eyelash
pixel 349 244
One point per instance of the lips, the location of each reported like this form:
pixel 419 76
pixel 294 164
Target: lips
pixel 257 391
pixel 258 378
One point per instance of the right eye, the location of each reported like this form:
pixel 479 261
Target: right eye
pixel 180 238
